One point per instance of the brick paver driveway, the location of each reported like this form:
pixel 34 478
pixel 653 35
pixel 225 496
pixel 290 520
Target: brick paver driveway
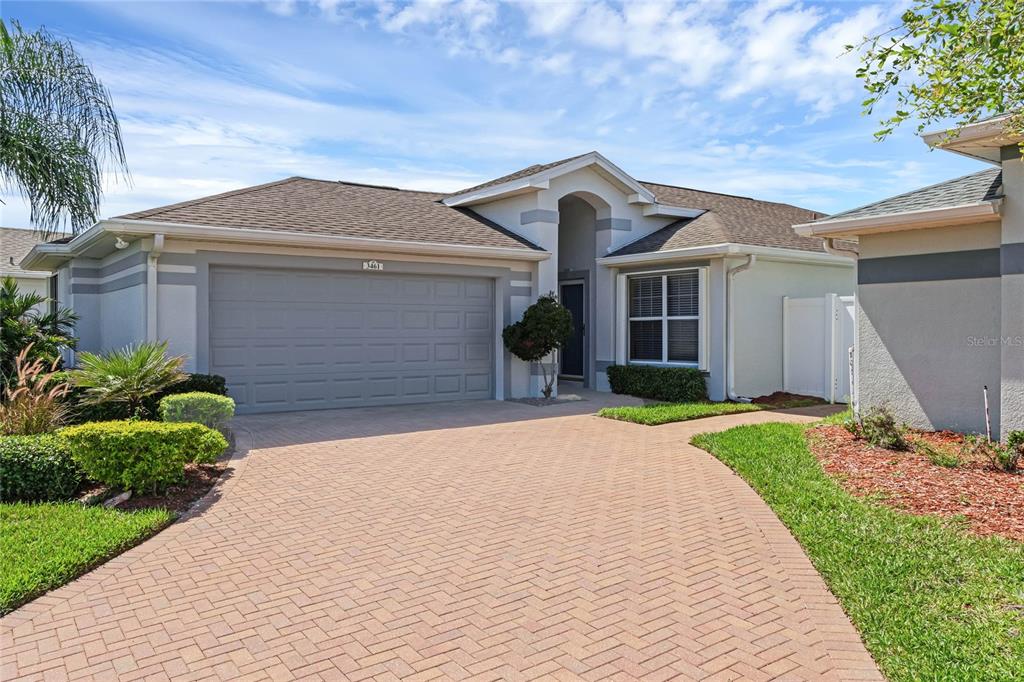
pixel 485 540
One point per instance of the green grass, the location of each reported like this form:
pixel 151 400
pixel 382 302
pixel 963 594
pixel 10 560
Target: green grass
pixel 44 546
pixel 930 601
pixel 663 413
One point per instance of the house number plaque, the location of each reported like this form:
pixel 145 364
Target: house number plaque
pixel 373 265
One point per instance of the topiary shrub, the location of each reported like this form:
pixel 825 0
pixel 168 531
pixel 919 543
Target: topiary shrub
pixel 139 455
pixel 670 384
pixel 37 469
pixel 213 411
pixel 546 327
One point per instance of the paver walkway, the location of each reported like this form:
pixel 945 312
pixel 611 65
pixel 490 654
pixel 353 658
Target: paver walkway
pixel 484 540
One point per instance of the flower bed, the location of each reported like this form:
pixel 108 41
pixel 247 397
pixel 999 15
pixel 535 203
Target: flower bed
pixel 991 501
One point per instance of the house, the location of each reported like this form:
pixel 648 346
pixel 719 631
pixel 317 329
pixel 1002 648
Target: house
pixel 311 293
pixel 940 291
pixel 15 243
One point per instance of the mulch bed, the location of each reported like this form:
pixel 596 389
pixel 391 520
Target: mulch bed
pixel 199 478
pixel 992 501
pixel 782 398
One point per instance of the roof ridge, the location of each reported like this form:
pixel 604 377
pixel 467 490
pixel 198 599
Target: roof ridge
pixel 202 200
pixel 726 194
pixel 995 170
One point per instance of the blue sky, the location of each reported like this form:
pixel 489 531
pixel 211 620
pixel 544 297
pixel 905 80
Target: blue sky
pixel 745 98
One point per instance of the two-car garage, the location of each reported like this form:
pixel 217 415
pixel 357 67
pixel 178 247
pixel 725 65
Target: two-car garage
pixel 307 339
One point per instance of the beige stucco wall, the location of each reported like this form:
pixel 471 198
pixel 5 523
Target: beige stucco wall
pixel 758 315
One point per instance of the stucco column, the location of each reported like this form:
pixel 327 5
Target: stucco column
pixel 1012 266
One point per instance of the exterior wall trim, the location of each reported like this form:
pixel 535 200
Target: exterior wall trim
pixel 930 267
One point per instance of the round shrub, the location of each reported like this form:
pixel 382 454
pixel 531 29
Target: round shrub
pixel 36 469
pixel 213 411
pixel 139 455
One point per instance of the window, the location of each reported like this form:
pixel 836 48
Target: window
pixel 664 318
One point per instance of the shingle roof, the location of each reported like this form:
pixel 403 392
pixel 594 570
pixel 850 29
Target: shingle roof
pixel 521 173
pixel 969 189
pixel 340 208
pixel 15 243
pixel 727 219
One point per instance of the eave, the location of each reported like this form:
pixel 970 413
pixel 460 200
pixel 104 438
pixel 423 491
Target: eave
pixel 724 250
pixel 964 214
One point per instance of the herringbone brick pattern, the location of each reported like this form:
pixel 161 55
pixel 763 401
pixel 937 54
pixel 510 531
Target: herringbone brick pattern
pixel 483 540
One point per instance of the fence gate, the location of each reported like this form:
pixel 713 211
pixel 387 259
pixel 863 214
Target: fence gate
pixel 817 334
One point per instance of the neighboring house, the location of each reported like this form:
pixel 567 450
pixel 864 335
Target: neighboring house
pixel 15 243
pixel 941 291
pixel 311 293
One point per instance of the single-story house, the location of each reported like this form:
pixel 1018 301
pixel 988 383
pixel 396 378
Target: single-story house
pixel 940 291
pixel 15 243
pixel 315 294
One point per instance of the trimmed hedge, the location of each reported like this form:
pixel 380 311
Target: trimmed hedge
pixel 213 411
pixel 671 384
pixel 37 469
pixel 206 383
pixel 141 455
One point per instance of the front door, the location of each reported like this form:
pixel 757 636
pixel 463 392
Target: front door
pixel 573 354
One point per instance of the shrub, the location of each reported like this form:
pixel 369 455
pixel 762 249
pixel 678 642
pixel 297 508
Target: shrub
pixel 25 325
pixel 939 456
pixel 879 427
pixel 546 327
pixel 34 402
pixel 1003 457
pixel 671 384
pixel 213 411
pixel 140 455
pixel 36 469
pixel 128 375
pixel 82 412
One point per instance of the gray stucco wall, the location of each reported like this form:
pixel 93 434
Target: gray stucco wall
pixel 929 323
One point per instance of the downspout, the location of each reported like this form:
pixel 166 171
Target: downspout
pixel 151 286
pixel 730 331
pixel 830 247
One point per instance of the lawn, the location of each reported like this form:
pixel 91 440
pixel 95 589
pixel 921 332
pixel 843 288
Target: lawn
pixel 930 601
pixel 43 546
pixel 664 413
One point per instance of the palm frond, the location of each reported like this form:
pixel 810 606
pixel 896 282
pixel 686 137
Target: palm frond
pixel 58 130
pixel 127 375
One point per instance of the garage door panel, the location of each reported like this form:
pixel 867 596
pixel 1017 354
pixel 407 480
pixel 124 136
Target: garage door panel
pixel 303 339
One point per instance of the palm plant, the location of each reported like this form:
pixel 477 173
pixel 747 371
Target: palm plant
pixel 58 130
pixel 26 324
pixel 129 375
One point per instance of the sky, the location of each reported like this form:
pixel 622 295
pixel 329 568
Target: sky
pixel 749 98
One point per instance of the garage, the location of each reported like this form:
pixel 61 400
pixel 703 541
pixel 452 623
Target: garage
pixel 303 340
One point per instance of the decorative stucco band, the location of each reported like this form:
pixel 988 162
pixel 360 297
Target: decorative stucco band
pixel 1012 259
pixel 930 267
pixel 538 215
pixel 624 224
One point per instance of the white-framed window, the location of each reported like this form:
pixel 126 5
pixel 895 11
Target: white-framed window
pixel 665 318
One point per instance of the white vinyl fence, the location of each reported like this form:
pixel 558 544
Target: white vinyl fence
pixel 817 334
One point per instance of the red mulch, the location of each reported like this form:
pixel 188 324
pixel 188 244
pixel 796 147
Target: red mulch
pixel 782 397
pixel 199 478
pixel 992 501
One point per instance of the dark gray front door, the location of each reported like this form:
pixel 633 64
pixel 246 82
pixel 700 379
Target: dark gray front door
pixel 573 354
pixel 302 340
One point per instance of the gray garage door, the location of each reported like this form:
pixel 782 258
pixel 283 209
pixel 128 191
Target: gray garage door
pixel 301 340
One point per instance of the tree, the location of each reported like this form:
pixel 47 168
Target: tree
pixel 948 59
pixel 546 327
pixel 58 130
pixel 129 375
pixel 23 324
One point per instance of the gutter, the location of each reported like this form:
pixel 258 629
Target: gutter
pixel 830 247
pixel 151 286
pixel 726 249
pixel 142 228
pixel 730 331
pixel 907 220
